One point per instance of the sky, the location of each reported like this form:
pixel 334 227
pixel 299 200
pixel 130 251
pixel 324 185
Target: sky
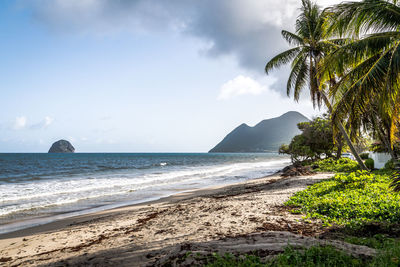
pixel 140 75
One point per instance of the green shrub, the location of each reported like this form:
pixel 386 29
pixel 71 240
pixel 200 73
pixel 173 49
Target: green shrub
pixel 370 164
pixel 364 155
pixel 390 165
pixel 340 165
pixel 350 199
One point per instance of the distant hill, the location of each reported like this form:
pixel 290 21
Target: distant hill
pixel 266 136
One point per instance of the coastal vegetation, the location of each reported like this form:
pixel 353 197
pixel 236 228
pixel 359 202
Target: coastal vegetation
pixel 348 58
pixel 350 199
pixel 354 206
pixel 311 47
pixel 333 165
pixel 314 256
pixel 359 205
pixel 314 142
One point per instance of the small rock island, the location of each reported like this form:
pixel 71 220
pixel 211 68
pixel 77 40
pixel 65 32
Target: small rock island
pixel 62 146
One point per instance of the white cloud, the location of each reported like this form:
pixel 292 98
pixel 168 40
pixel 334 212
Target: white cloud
pixel 46 122
pixel 242 85
pixel 20 122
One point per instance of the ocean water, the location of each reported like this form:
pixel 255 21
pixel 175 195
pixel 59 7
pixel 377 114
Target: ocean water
pixel 39 188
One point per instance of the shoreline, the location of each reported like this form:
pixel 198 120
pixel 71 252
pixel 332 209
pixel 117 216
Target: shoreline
pixel 28 215
pixel 63 219
pixel 137 235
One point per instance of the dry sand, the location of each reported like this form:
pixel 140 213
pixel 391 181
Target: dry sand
pixel 214 219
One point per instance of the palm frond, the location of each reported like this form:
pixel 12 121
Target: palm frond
pixel 301 80
pixel 282 59
pixel 395 183
pixel 361 17
pixel 292 38
pixel 297 68
pixel 354 52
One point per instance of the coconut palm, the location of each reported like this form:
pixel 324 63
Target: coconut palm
pixel 369 66
pixel 310 48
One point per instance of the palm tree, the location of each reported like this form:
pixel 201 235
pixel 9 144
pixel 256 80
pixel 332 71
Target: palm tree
pixel 370 65
pixel 310 48
pixel 374 121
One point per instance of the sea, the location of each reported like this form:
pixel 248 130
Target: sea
pixel 37 188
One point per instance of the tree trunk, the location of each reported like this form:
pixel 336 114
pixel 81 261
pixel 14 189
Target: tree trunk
pixel 340 147
pixel 350 144
pixel 345 135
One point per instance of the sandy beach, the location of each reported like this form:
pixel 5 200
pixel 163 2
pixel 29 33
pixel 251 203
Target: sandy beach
pixel 241 216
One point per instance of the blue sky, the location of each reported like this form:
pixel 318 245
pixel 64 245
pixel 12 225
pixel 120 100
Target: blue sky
pixel 138 76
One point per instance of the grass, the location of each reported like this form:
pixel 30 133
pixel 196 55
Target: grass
pixel 378 241
pixel 216 260
pixel 389 256
pixel 313 256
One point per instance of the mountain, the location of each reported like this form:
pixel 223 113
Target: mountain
pixel 266 136
pixel 62 146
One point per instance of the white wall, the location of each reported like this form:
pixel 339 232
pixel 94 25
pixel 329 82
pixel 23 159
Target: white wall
pixel 380 159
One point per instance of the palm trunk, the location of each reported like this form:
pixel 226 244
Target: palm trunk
pixel 350 144
pixel 345 135
pixel 340 147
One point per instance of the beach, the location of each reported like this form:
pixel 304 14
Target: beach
pixel 200 133
pixel 149 233
pixel 50 187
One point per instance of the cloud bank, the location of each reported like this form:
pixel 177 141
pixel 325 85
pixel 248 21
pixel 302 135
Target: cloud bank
pixel 246 29
pixel 249 30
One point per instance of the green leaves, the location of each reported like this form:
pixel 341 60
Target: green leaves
pixel 282 59
pixel 368 67
pixel 292 38
pixel 359 17
pixel 350 199
pixel 395 184
pixel 340 165
pixel 304 58
pixel 315 140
